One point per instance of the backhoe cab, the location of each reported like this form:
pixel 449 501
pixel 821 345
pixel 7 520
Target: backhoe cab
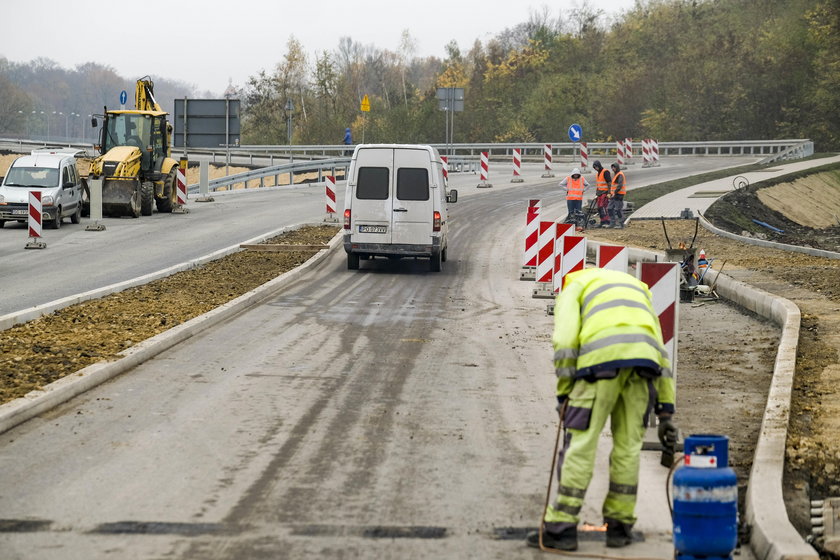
pixel 135 163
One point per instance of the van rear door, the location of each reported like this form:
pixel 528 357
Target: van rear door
pixel 372 203
pixel 412 202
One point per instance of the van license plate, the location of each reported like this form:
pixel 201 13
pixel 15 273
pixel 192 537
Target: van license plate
pixel 373 229
pixel 20 212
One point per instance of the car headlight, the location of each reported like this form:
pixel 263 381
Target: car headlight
pixel 47 200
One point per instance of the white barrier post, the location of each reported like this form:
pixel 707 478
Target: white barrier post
pixel 181 188
pixel 35 221
pixel 204 182
pixel 532 226
pixel 545 261
pixel 619 153
pixel 612 257
pixel 547 156
pixel 329 192
pixel 95 204
pixel 628 150
pixel 654 152
pixel 517 166
pixel 646 152
pixel 584 156
pixel 563 230
pixel 485 171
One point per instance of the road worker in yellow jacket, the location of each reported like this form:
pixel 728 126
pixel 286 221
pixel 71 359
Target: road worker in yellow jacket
pixel 610 362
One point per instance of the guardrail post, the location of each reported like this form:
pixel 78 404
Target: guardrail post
pixel 95 202
pixel 204 182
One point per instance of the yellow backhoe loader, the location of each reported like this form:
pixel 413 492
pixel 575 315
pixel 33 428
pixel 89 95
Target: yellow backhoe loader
pixel 135 164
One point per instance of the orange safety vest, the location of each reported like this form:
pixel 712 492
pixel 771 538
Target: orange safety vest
pixel 623 190
pixel 574 188
pixel 601 186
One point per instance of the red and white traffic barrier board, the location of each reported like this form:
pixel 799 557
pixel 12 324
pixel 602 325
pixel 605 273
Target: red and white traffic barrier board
pixel 612 257
pixel 181 188
pixel 329 193
pixel 485 170
pixel 646 153
pixel 547 157
pixel 445 161
pixel 517 166
pixel 654 152
pixel 532 233
pixel 628 150
pixel 584 155
pixel 563 230
pixel 574 258
pixel 619 153
pixel 663 281
pixel 545 260
pixel 35 220
pixel 534 203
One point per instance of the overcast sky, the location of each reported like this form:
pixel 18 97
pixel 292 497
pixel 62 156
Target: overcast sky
pixel 209 42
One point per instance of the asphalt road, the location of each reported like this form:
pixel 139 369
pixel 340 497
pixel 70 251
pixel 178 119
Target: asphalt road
pixel 385 412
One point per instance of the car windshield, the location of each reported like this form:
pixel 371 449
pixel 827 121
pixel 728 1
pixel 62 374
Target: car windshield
pixel 127 129
pixel 32 177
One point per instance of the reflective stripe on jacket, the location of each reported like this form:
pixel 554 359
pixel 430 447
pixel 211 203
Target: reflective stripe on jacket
pixel 604 320
pixel 622 184
pixel 574 188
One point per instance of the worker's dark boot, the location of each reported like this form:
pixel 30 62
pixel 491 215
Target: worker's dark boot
pixel 565 540
pixel 618 534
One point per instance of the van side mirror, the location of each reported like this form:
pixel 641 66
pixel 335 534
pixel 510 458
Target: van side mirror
pixel 93 122
pixel 452 197
pixel 69 184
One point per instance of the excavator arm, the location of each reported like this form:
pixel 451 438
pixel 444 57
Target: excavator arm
pixel 144 96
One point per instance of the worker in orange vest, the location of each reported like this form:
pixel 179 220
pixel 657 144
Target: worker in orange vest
pixel 574 185
pixel 602 191
pixel 617 191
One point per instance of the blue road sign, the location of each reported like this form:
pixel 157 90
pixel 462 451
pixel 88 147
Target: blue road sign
pixel 123 97
pixel 575 133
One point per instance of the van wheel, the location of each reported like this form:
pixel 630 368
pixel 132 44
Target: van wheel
pixel 2 223
pixel 56 224
pixel 352 261
pixel 435 262
pixel 77 215
pixel 443 255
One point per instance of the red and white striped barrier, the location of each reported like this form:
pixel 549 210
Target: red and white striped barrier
pixel 654 152
pixel 485 170
pixel 517 166
pixel 547 157
pixel 574 258
pixel 628 150
pixel 612 257
pixel 35 220
pixel 646 162
pixel 181 188
pixel 532 232
pixel 562 231
pixel 445 161
pixel 545 260
pixel 584 156
pixel 663 280
pixel 329 193
pixel 619 153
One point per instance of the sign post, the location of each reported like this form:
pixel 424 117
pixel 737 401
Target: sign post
pixel 365 108
pixel 575 133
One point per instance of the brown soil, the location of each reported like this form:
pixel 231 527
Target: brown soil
pixel 36 353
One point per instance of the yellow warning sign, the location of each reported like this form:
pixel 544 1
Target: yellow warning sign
pixel 365 104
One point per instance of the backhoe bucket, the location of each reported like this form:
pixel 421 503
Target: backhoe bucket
pixel 121 197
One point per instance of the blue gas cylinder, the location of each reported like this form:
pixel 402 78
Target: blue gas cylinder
pixel 705 500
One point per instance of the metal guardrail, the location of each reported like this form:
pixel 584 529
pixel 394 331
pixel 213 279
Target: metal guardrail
pixel 227 183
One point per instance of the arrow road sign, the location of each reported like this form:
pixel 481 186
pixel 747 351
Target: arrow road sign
pixel 575 133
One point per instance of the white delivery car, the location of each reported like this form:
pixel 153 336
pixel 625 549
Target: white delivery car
pixel 395 204
pixel 54 173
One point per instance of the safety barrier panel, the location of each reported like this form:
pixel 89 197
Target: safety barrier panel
pixel 517 166
pixel 547 160
pixel 584 156
pixel 35 221
pixel 567 255
pixel 545 260
pixel 445 161
pixel 181 188
pixel 485 170
pixel 619 153
pixel 532 224
pixel 663 280
pixel 628 150
pixel 612 257
pixel 329 193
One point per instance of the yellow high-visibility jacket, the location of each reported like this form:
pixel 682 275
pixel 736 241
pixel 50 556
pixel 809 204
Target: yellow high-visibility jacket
pixel 604 320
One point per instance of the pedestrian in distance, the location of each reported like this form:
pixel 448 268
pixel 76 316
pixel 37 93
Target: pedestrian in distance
pixel 574 185
pixel 348 141
pixel 610 362
pixel 618 189
pixel 602 191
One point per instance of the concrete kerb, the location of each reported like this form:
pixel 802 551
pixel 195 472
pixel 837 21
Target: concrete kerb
pixel 36 402
pixel 773 537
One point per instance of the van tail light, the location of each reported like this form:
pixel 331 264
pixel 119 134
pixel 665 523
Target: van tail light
pixel 436 221
pixel 347 219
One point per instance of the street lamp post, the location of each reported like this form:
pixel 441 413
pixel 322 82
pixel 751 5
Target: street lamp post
pixel 290 107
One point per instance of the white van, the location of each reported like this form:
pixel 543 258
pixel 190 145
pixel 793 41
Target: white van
pixel 54 173
pixel 396 204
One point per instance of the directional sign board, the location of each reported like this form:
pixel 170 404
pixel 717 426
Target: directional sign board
pixel 209 123
pixel 575 133
pixel 365 104
pixel 123 99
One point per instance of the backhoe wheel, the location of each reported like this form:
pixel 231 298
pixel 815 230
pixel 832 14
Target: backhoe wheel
pixel 147 196
pixel 166 203
pixel 134 205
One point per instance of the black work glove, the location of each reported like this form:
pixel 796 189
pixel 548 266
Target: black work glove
pixel 667 433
